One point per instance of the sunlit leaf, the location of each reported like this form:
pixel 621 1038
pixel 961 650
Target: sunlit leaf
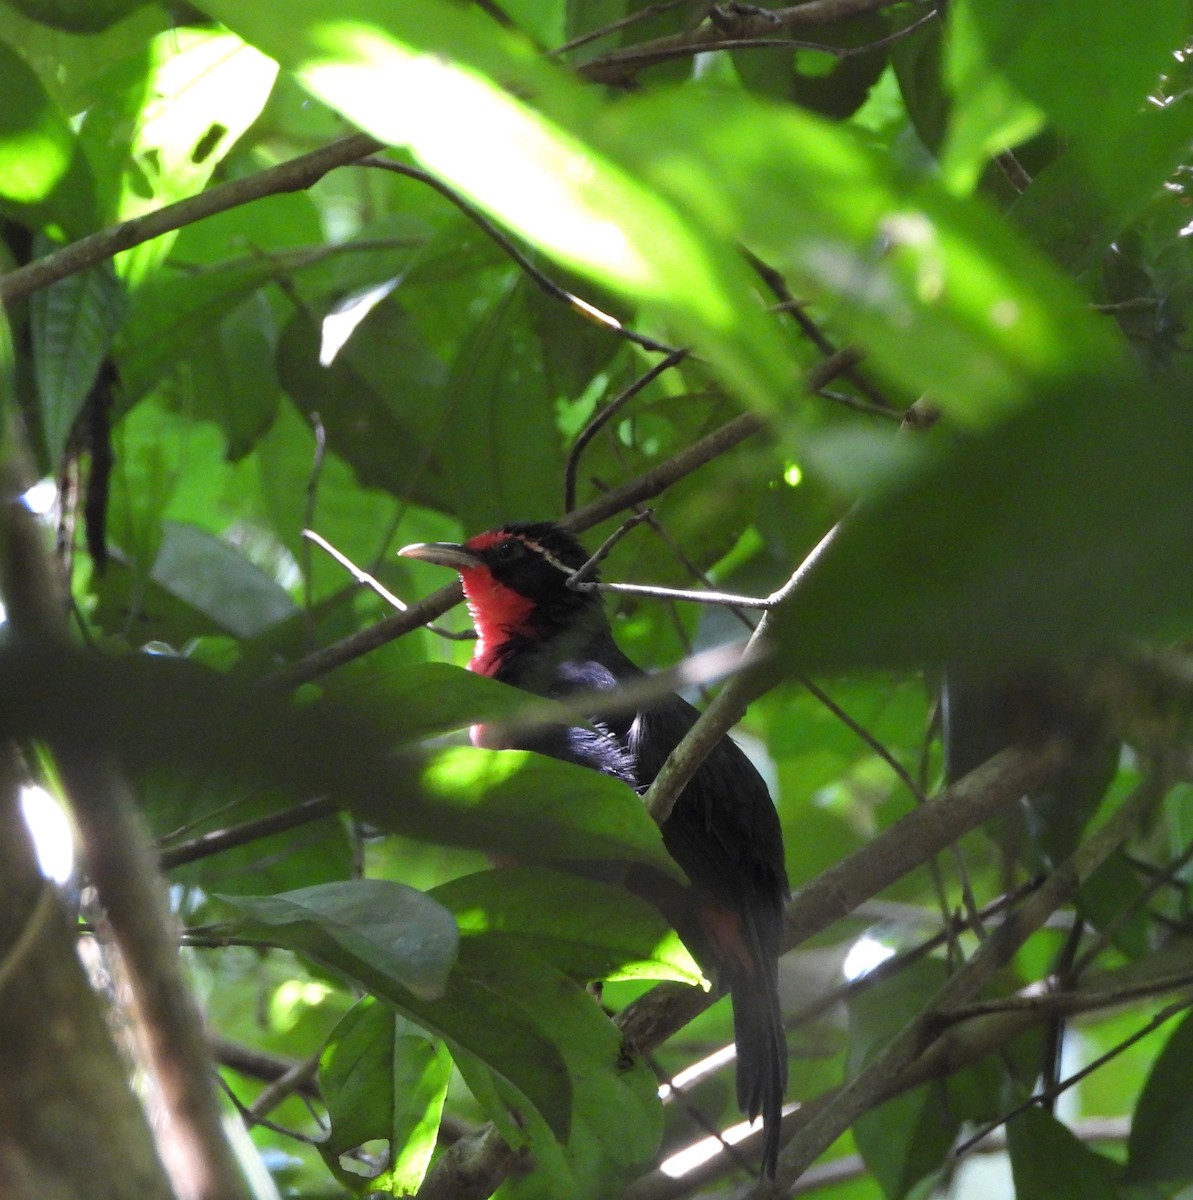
pixel 424 75
pixel 41 175
pixel 589 929
pixel 383 1079
pixel 941 294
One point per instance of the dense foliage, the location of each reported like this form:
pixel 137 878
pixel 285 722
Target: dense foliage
pixel 916 267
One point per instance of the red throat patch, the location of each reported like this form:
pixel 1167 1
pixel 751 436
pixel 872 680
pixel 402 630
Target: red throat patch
pixel 497 611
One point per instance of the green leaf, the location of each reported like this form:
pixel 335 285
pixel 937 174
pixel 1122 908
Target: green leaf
pixel 981 555
pixel 1112 58
pixel 982 320
pixel 907 1138
pixel 216 580
pixel 369 926
pixel 380 401
pixel 42 176
pixel 615 1095
pixel 430 698
pixel 1084 199
pixel 1159 1149
pixel 501 420
pixel 537 809
pixel 203 89
pixel 73 322
pixel 1048 1162
pixel 590 930
pixel 1106 894
pixel 423 75
pixel 383 1079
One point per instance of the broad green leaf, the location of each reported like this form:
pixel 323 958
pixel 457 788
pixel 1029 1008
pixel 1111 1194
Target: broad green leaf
pixel 233 380
pixel 156 710
pixel 73 322
pixel 501 419
pixel 1113 54
pixel 1105 894
pixel 369 926
pixel 1048 1161
pixel 380 400
pixel 982 320
pixel 982 555
pixel 615 1095
pixel 424 74
pixel 588 929
pixel 536 808
pixel 1084 199
pixel 383 1079
pixel 431 698
pixel 213 578
pixel 1159 1149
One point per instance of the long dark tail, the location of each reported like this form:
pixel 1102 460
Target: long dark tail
pixel 761 1050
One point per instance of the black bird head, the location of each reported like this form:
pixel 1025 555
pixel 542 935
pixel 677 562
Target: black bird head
pixel 517 579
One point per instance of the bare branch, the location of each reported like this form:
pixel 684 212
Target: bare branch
pixel 576 303
pixel 292 176
pixel 746 24
pixel 602 418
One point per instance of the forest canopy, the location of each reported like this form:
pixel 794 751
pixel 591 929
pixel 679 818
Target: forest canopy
pixel 854 330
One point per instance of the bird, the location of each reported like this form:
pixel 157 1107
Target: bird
pixel 539 632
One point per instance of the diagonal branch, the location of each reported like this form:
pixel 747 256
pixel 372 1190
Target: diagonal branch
pixel 294 175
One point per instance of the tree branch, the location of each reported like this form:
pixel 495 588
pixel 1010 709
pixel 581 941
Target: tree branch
pixel 619 68
pixel 121 865
pixel 292 176
pixel 874 1081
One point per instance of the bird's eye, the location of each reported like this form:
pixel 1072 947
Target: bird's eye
pixel 507 551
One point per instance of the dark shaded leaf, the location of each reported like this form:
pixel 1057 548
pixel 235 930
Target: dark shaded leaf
pixel 1159 1149
pixel 72 324
pixel 360 928
pixel 981 557
pixel 1048 1162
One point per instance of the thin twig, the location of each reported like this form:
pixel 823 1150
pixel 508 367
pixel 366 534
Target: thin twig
pixel 373 583
pixel 589 311
pixel 219 840
pixel 619 67
pixel 1046 1096
pixel 863 1091
pixel 577 578
pixel 648 12
pixel 602 418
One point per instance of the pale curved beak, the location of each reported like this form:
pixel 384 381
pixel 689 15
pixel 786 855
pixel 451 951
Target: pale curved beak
pixel 444 554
